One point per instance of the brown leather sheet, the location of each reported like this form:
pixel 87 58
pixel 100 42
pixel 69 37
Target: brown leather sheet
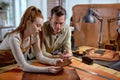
pixel 18 74
pixel 107 55
pixel 66 74
pixel 87 76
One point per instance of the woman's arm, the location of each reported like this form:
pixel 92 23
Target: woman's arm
pixel 39 55
pixel 44 52
pixel 14 43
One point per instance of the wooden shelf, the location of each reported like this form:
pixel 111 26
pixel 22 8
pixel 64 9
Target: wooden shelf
pixel 4 27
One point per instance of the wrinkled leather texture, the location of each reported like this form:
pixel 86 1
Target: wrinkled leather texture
pixel 66 74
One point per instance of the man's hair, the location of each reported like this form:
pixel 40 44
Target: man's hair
pixel 58 11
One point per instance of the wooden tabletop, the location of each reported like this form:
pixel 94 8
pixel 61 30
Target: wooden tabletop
pixel 103 68
pixel 15 73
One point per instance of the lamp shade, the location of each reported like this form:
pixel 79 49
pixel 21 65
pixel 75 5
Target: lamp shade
pixel 89 18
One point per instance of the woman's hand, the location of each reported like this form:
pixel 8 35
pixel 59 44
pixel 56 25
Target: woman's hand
pixel 54 70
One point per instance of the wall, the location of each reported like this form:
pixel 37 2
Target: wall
pixel 21 5
pixel 71 3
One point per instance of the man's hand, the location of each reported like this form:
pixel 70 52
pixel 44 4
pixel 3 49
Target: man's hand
pixel 63 63
pixel 66 54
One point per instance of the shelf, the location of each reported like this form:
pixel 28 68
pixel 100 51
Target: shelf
pixel 2 11
pixel 4 27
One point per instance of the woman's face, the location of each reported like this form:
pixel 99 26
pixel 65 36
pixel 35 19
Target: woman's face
pixel 36 26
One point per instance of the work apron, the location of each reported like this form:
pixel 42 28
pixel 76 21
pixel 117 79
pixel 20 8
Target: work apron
pixel 6 58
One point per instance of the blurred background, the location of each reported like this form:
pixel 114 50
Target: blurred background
pixel 12 10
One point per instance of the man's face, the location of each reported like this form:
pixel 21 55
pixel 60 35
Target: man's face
pixel 57 22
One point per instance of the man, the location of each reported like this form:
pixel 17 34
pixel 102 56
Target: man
pixel 57 36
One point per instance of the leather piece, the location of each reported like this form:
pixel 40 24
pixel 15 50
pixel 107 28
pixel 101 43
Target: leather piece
pixel 86 76
pixel 107 55
pixel 66 74
pixel 87 60
pixel 17 73
pixel 65 62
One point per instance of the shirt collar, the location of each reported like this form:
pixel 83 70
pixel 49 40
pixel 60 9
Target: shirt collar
pixel 52 31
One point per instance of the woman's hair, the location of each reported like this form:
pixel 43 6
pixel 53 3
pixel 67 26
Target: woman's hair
pixel 30 14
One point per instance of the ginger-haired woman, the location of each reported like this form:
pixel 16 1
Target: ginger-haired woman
pixel 15 45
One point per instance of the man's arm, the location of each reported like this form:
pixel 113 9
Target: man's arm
pixel 67 45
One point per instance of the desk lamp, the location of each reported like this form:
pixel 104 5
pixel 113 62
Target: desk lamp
pixel 89 18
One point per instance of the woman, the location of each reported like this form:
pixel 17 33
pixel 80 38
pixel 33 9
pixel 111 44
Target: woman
pixel 19 41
